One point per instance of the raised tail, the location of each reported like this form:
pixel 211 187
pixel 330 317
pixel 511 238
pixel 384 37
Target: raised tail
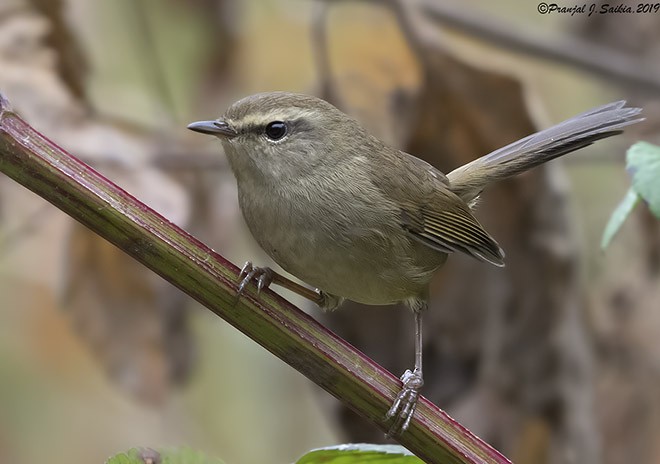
pixel 584 129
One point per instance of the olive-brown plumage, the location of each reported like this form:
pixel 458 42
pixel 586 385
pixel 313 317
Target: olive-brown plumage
pixel 358 219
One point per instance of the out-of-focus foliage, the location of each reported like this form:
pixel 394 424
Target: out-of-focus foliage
pixel 167 456
pixel 643 164
pixel 619 216
pixel 357 453
pixel 116 82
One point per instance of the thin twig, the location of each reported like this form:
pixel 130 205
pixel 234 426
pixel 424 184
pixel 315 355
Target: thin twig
pixel 602 61
pixel 320 52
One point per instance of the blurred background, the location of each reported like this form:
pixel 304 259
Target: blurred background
pixel 553 359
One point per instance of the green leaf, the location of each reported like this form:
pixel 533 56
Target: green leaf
pixel 354 453
pixel 174 456
pixel 643 163
pixel 618 216
pixel 131 456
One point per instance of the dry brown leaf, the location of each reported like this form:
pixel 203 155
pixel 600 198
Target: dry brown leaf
pixel 71 64
pixel 135 322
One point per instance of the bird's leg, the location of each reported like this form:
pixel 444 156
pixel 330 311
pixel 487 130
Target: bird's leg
pixel 264 276
pixel 405 403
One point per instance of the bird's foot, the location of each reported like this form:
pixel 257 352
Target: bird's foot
pixel 328 302
pixel 405 403
pixel 262 276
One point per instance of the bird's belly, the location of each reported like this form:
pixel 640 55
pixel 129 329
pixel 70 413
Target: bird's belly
pixel 345 271
pixel 348 258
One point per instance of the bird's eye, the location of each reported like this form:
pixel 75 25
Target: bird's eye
pixel 276 130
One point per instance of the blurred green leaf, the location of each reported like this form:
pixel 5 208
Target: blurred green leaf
pixel 618 216
pixel 130 457
pixel 355 453
pixel 175 456
pixel 644 166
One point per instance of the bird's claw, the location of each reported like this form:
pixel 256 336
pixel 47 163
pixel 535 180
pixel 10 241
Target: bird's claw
pixel 328 302
pixel 263 276
pixel 405 403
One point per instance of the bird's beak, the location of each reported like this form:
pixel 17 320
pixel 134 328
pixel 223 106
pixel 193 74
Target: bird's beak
pixel 218 127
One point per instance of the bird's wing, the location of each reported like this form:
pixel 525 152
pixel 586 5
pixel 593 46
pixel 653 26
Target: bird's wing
pixel 451 228
pixel 431 213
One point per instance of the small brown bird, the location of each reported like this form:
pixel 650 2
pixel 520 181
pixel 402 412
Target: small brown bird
pixel 360 220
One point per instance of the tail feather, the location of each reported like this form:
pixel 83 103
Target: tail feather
pixel 584 129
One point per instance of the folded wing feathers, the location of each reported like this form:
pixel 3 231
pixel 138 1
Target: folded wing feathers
pixel 449 231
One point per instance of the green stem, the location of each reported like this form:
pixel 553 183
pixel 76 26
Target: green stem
pixel 38 164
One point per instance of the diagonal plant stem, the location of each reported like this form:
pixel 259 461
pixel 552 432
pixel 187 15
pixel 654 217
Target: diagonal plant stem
pixel 38 164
